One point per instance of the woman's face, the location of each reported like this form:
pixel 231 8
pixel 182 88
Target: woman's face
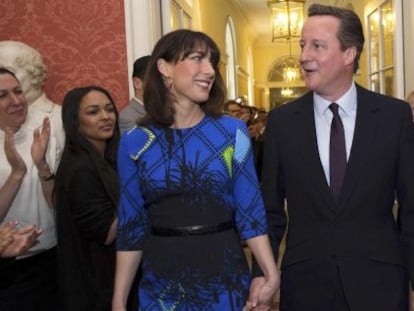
pixel 191 78
pixel 97 118
pixel 13 105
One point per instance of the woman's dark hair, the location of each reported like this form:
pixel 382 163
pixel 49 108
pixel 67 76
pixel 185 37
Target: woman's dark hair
pixel 75 140
pixel 5 71
pixel 350 31
pixel 173 48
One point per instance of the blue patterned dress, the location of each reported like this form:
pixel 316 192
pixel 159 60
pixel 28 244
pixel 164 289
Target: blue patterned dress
pixel 199 175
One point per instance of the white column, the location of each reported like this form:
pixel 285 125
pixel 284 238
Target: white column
pixel 408 29
pixel 142 29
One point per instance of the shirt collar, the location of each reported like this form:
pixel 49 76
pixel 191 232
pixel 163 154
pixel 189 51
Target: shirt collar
pixel 346 102
pixel 138 101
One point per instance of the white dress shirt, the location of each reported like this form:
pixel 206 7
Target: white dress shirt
pixel 323 119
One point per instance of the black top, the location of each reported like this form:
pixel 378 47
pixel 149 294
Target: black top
pixel 86 196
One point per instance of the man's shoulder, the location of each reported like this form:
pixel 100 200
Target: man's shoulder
pixel 303 102
pixel 132 110
pixel 381 100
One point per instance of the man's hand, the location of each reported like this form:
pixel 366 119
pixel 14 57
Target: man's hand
pixel 261 294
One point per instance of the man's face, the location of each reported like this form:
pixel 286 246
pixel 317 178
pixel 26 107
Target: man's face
pixel 234 110
pixel 326 69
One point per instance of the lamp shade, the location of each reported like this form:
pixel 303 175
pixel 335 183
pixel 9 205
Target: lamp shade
pixel 287 18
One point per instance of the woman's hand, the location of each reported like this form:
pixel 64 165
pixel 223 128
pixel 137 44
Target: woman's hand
pixel 40 143
pixel 22 240
pixel 262 293
pixel 6 235
pixel 18 167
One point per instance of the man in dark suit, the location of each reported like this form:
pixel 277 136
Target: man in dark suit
pixel 135 110
pixel 344 249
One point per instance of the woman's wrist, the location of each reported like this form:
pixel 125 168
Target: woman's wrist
pixel 45 173
pixel 17 174
pixel 273 279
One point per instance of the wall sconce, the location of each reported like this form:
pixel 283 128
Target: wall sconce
pixel 290 69
pixel 291 74
pixel 287 18
pixel 286 92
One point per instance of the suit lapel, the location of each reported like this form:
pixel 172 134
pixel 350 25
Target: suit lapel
pixel 310 152
pixel 365 128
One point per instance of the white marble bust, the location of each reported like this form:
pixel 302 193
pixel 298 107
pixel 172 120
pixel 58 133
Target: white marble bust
pixel 29 68
pixel 27 64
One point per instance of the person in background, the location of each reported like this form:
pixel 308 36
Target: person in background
pixel 246 114
pixel 28 66
pixel 27 162
pixel 256 130
pixel 232 108
pixel 135 110
pixel 86 195
pixel 189 191
pixel 17 241
pixel 410 101
pixel 337 157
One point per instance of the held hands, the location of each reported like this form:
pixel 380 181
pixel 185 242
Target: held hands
pixel 261 294
pixel 15 242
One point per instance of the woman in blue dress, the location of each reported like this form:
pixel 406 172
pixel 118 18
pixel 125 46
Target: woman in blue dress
pixel 189 191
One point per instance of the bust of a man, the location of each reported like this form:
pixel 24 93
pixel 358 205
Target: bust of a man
pixel 27 64
pixel 29 68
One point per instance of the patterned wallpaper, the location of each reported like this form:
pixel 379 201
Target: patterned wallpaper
pixel 82 42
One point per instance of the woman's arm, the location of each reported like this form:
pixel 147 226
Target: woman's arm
pixel 91 207
pixel 18 170
pixel 127 263
pixel 112 232
pixel 264 293
pixel 38 150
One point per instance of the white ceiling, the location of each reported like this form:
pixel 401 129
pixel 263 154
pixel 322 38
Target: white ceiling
pixel 257 14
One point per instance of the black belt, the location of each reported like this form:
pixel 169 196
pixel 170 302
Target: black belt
pixel 192 230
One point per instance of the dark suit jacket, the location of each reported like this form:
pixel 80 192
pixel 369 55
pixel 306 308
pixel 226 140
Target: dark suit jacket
pixel 129 116
pixel 358 236
pixel 86 198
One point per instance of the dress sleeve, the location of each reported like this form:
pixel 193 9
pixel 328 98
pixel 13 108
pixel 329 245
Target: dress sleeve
pixel 132 215
pixel 92 209
pixel 250 216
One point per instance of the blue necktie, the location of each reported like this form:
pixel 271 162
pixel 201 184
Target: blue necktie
pixel 337 152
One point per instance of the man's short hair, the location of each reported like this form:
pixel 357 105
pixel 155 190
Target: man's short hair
pixel 140 65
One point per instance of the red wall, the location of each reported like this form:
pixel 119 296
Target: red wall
pixel 82 42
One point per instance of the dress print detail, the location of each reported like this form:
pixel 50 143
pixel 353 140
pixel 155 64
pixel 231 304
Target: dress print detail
pixel 243 146
pixel 151 138
pixel 228 157
pixel 172 178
